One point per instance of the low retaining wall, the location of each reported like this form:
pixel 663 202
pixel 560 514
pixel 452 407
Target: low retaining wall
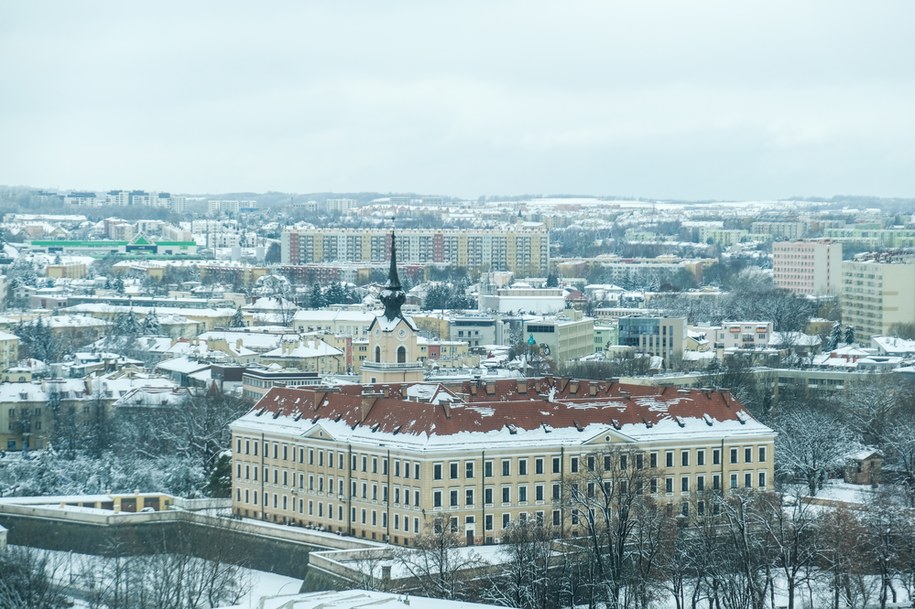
pixel 276 548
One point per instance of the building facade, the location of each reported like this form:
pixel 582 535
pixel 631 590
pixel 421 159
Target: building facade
pixel 808 267
pixel 663 337
pixel 384 461
pixel 520 248
pixel 878 291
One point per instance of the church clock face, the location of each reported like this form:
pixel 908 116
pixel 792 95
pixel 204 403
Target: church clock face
pixel 401 333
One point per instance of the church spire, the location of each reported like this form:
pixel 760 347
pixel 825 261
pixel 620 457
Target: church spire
pixel 393 295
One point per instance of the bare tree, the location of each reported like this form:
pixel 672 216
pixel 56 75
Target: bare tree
pixel 26 580
pixel 439 563
pixel 605 500
pixel 525 581
pixel 811 443
pixel 744 568
pixel 790 536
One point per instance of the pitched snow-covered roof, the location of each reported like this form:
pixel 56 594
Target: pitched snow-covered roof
pixel 303 349
pixel 506 413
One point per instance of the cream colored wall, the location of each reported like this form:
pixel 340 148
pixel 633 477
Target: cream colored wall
pixel 302 488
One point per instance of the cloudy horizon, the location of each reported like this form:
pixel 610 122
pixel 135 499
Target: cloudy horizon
pixel 706 100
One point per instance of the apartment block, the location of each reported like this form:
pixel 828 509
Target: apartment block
pixel 808 267
pixel 520 248
pixel 878 290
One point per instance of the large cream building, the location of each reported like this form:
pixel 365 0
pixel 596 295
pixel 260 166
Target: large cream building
pixel 808 267
pixel 520 248
pixel 878 290
pixel 383 461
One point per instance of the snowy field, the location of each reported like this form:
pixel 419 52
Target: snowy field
pixel 69 567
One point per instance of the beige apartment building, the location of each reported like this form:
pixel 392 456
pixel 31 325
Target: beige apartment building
pixel 521 248
pixel 383 461
pixel 808 267
pixel 878 290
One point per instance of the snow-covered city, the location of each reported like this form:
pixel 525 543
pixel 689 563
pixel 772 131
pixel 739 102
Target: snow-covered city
pixel 526 305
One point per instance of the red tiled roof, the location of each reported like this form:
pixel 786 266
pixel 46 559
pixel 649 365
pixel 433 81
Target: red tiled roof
pixel 548 403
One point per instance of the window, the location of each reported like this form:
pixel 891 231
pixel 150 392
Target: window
pixel 538 466
pixel 506 494
pixel 556 491
pixel 396 469
pixel 538 492
pixel 716 482
pixel 684 508
pixel 522 493
pixel 684 458
pixel 522 467
pixel 669 457
pixel 668 485
pixel 684 484
pixel 700 457
pixel 453 468
pixel 654 485
pixel 487 496
pixel 488 522
pixel 733 480
pixel 437 499
pixel 374 465
pixel 748 455
pixel 574 465
pixel 624 461
pixel 556 465
pixel 639 461
pixel 437 471
pixel 506 467
pixel 555 518
pixel 700 483
pixel 311 456
pixel 468 496
pixel 590 463
pixel 733 455
pixel 716 456
pixel 454 498
pixel 487 469
pixel 506 520
pixel 653 460
pixel 762 454
pixel 748 480
pixel 762 479
pixel 468 469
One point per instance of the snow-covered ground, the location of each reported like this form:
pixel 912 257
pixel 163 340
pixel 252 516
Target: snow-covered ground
pixel 67 567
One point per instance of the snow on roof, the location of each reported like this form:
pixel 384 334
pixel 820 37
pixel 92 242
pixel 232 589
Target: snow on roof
pixel 101 307
pixel 153 397
pixel 892 345
pixel 182 365
pixel 256 341
pixel 334 315
pixel 303 349
pixel 504 412
pixel 362 599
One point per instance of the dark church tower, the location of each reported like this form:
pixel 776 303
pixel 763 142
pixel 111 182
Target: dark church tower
pixel 393 350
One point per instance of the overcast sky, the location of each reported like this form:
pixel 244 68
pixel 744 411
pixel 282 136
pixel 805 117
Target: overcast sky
pixel 682 99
